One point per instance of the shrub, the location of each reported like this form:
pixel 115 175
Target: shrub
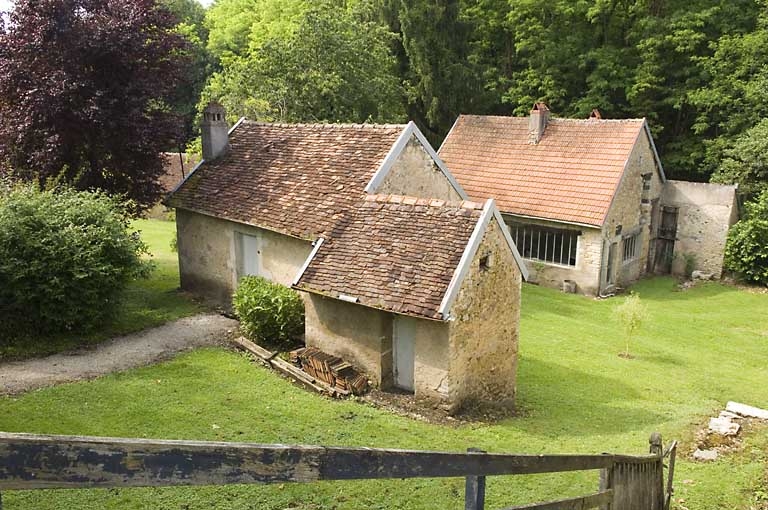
pixel 64 257
pixel 268 311
pixel 746 251
pixel 631 314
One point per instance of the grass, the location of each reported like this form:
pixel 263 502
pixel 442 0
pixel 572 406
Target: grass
pixel 145 302
pixel 699 349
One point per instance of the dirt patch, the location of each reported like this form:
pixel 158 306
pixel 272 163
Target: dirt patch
pixel 129 351
pixel 429 411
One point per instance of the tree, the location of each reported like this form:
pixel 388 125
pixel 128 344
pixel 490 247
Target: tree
pixel 746 162
pixel 631 314
pixel 84 91
pixel 335 67
pixel 746 251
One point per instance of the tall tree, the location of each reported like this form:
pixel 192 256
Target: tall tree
pixel 335 66
pixel 84 86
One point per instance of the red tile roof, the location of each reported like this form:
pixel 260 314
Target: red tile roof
pixel 571 175
pixel 172 170
pixel 394 253
pixel 297 179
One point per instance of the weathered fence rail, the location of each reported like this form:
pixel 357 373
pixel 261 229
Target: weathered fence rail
pixel 30 461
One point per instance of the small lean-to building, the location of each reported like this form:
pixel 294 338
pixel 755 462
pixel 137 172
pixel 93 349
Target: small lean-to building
pixel 423 294
pixel 400 274
pixel 584 198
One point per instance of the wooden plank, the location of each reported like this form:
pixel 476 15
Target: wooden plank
pixel 670 475
pixel 286 368
pixel 34 461
pixel 582 503
pixel 474 489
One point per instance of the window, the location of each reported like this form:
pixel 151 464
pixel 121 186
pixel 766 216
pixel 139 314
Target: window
pixel 553 245
pixel 631 247
pixel 485 262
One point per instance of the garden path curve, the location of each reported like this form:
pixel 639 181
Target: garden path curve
pixel 121 353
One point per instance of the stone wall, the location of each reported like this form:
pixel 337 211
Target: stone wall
pixel 705 213
pixel 415 173
pixel 628 214
pixel 484 328
pixel 586 272
pixel 209 264
pixel 358 334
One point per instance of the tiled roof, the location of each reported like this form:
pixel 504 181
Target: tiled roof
pixel 297 179
pixel 571 175
pixel 172 170
pixel 394 253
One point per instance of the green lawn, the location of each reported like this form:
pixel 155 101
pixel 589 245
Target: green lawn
pixel 145 302
pixel 702 347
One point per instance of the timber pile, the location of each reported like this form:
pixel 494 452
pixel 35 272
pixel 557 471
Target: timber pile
pixel 271 359
pixel 330 369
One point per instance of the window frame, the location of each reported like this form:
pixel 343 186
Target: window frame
pixel 516 227
pixel 635 241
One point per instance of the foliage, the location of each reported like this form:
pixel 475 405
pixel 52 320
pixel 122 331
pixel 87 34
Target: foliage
pixel 334 67
pixel 746 162
pixel 144 303
pixel 64 258
pixel 575 395
pixel 631 314
pixel 84 93
pixel 268 311
pixel 746 250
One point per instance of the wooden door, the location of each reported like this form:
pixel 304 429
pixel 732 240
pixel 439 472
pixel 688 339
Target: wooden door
pixel 610 267
pixel 403 351
pixel 665 243
pixel 250 255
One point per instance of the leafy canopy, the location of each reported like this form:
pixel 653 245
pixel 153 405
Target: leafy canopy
pixel 64 258
pixel 746 251
pixel 84 93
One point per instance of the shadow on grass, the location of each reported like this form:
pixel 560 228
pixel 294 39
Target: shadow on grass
pixel 567 402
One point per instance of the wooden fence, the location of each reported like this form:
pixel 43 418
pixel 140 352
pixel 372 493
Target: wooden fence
pixel 30 461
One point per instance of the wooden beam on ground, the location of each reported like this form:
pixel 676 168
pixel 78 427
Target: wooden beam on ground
pixel 30 461
pixel 271 359
pixel 582 503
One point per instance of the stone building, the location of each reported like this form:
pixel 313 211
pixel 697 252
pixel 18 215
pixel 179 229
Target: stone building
pixel 583 199
pixel 400 274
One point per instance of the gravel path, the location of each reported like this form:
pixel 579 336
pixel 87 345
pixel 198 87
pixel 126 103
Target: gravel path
pixel 121 353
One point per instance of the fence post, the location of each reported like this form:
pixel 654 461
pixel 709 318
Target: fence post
pixel 657 482
pixel 656 447
pixel 606 482
pixel 474 489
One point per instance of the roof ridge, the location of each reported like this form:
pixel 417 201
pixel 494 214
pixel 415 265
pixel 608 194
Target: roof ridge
pixel 554 118
pixel 326 125
pixel 384 198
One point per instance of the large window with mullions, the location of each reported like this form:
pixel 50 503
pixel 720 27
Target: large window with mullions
pixel 551 245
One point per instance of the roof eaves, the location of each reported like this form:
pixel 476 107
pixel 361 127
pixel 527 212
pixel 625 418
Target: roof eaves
pixel 511 243
pixel 390 158
pixel 397 148
pixel 440 163
pixel 315 248
pixel 542 218
pixel 466 259
pixel 655 152
pixel 623 175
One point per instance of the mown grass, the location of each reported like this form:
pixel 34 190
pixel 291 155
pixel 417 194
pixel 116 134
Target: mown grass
pixel 700 348
pixel 144 303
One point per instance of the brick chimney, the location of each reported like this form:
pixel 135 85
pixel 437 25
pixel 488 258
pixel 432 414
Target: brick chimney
pixel 214 131
pixel 537 122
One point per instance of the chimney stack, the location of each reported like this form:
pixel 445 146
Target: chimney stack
pixel 214 131
pixel 537 122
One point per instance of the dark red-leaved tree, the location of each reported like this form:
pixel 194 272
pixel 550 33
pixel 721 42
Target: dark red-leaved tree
pixel 84 86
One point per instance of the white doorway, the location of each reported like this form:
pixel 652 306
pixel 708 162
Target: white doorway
pixel 250 255
pixel 403 351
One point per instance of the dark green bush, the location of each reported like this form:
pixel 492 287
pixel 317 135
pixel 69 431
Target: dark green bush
pixel 64 258
pixel 268 311
pixel 746 251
